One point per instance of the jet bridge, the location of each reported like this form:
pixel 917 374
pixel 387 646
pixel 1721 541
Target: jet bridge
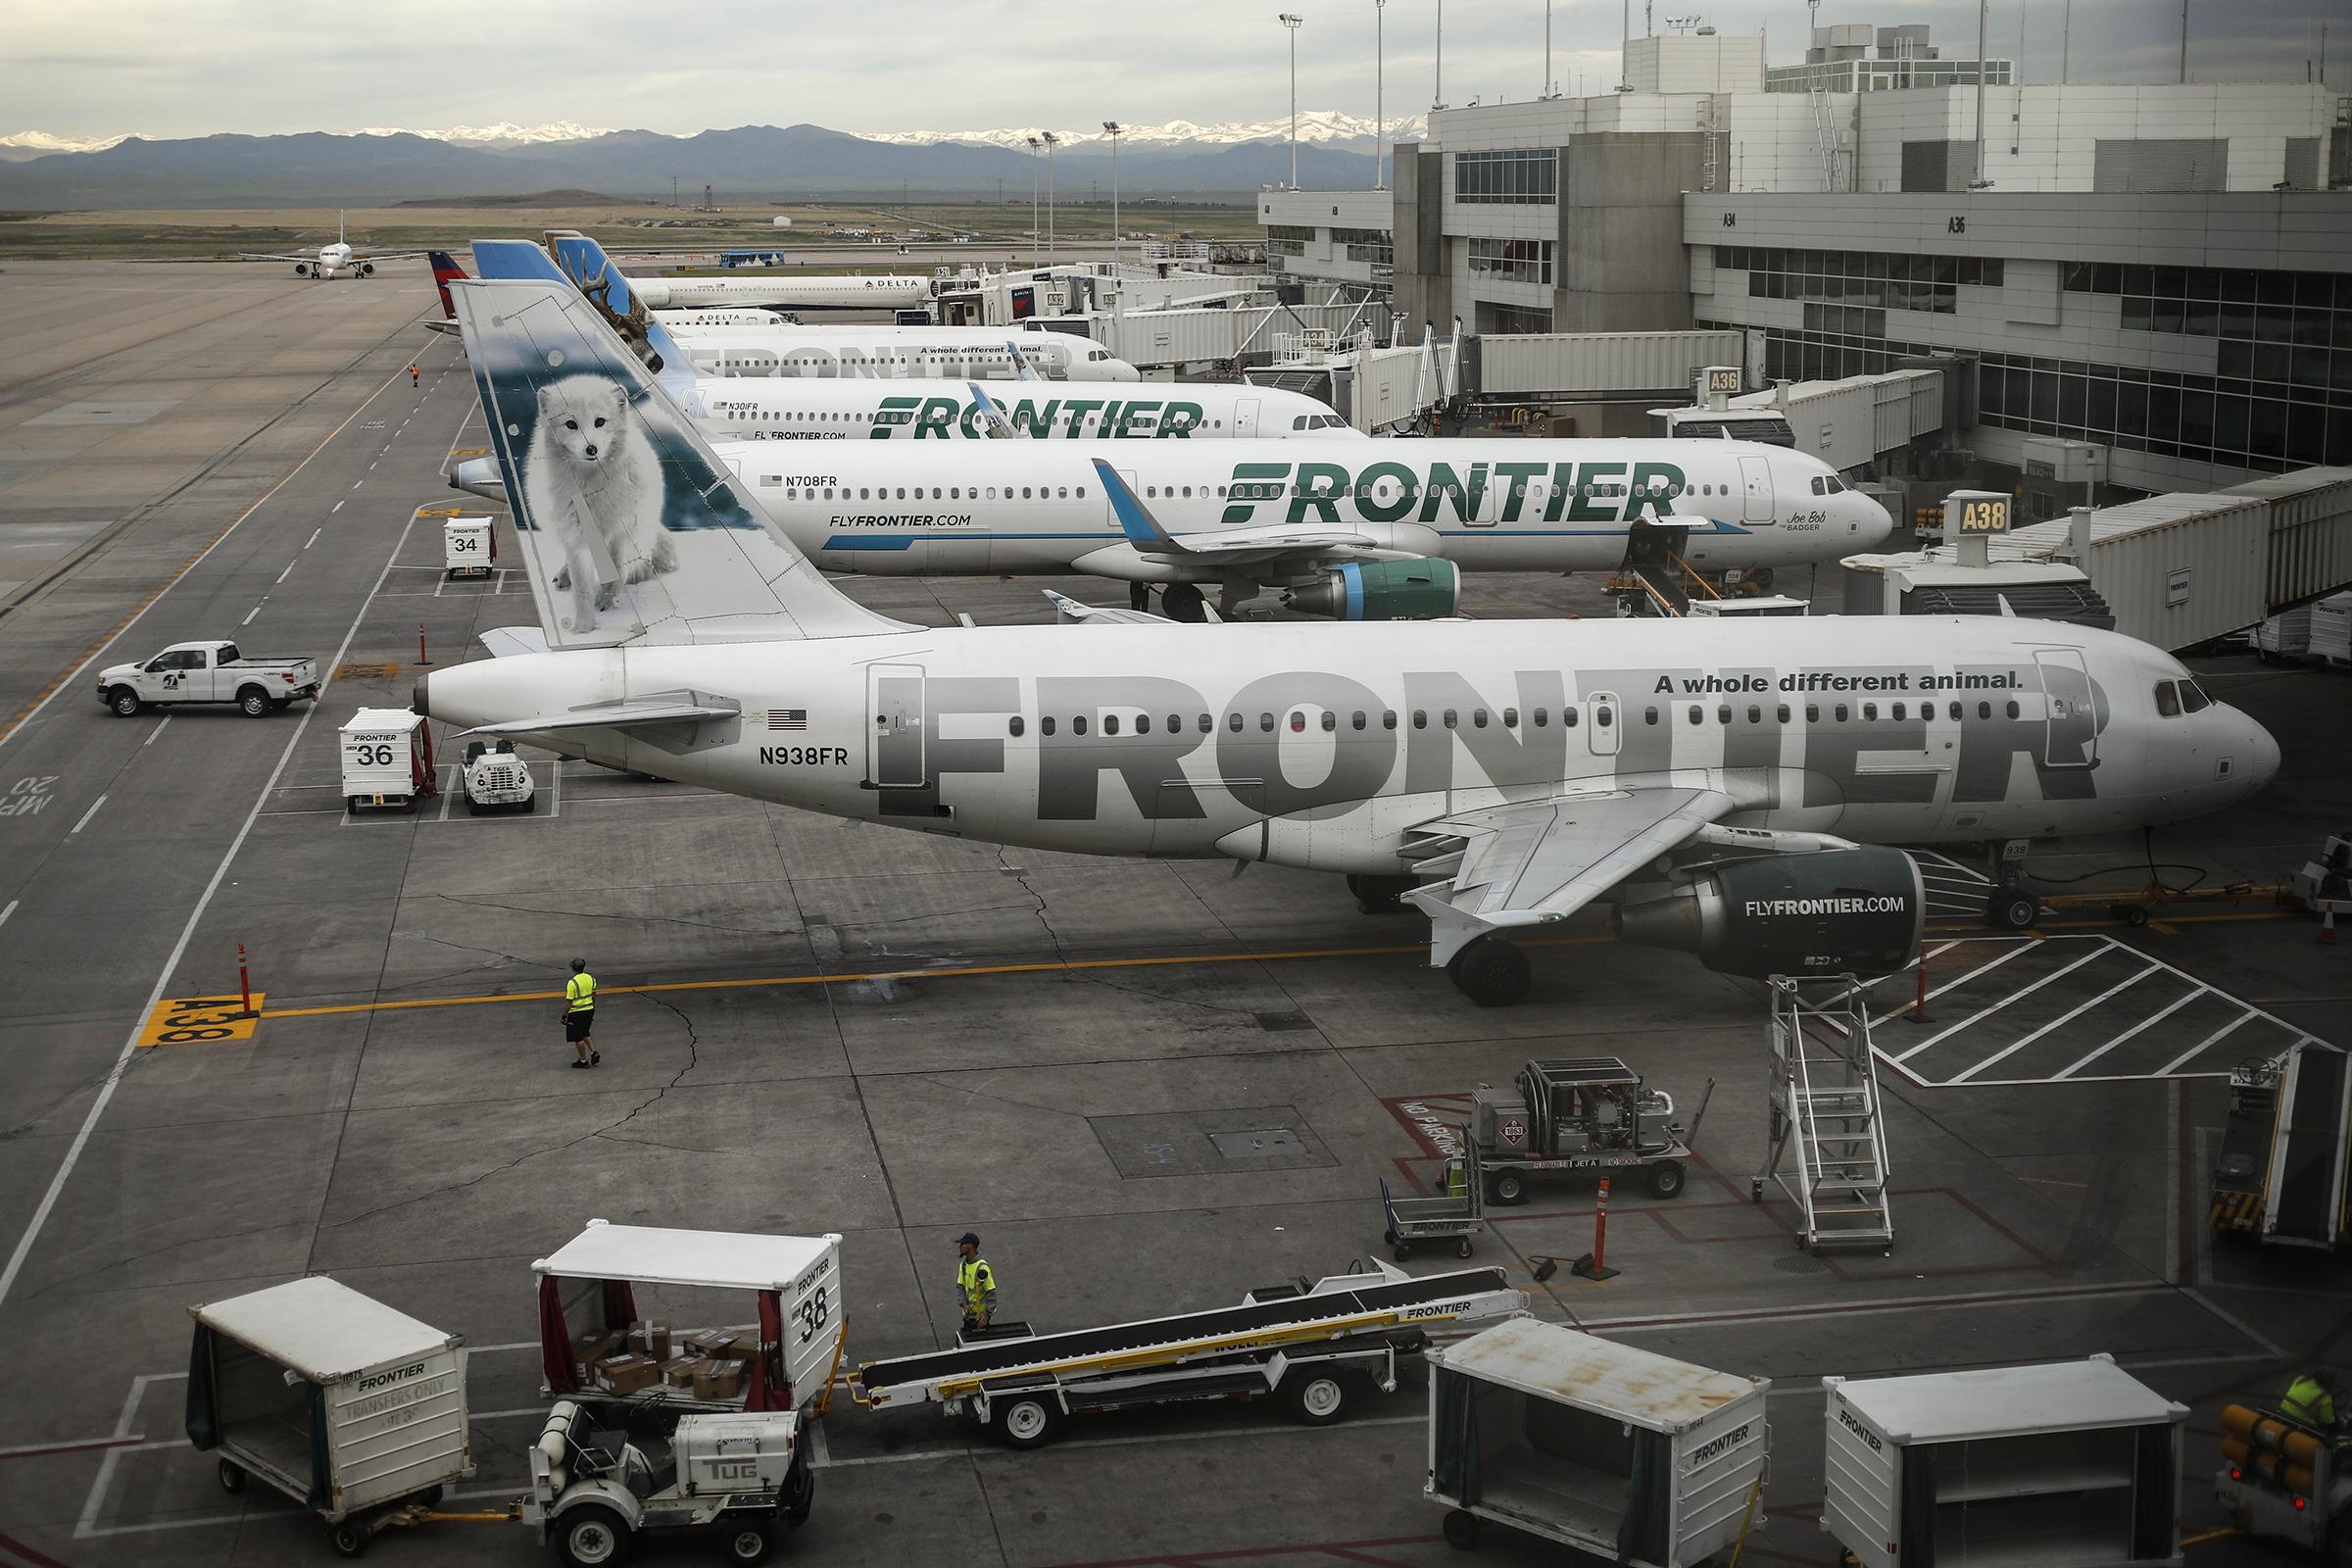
pixel 1313 1342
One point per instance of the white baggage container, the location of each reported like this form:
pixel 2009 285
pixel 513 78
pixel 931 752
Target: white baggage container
pixel 387 758
pixel 1640 1459
pixel 331 1397
pixel 2075 1464
pixel 468 548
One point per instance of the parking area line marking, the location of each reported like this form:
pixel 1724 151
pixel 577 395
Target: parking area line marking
pixel 5 913
pixel 188 933
pixel 314 533
pixel 2193 993
pixel 2066 1018
pixel 200 1020
pixel 281 577
pixel 86 815
pixel 337 506
pixel 249 615
pixel 158 730
pixel 2166 1070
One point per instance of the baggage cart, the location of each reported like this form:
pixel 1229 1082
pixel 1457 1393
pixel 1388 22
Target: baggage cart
pixel 1455 1215
pixel 1634 1457
pixel 468 548
pixel 354 1410
pixel 387 759
pixel 2075 1463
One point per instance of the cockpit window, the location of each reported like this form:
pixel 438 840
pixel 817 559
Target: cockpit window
pixel 2167 699
pixel 2194 698
pixel 1827 485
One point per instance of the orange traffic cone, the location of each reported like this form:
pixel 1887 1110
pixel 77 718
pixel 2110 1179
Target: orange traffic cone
pixel 2328 926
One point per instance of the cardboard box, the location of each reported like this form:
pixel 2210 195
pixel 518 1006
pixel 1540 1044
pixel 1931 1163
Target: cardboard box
pixel 710 1343
pixel 678 1371
pixel 736 1345
pixel 595 1346
pixel 650 1340
pixel 719 1380
pixel 625 1374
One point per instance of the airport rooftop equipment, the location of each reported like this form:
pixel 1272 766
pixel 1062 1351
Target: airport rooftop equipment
pixel 2286 1150
pixel 796 1278
pixel 2073 1462
pixel 341 1402
pixel 1545 1429
pixel 1305 1341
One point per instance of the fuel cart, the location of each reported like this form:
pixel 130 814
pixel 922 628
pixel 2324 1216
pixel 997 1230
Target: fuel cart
pixel 354 1410
pixel 1614 1450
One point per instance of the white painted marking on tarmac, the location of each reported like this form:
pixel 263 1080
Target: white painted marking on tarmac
pixel 281 577
pixel 187 933
pixel 249 615
pixel 331 510
pixel 86 815
pixel 314 533
pixel 370 469
pixel 159 728
pixel 5 913
pixel 2059 1023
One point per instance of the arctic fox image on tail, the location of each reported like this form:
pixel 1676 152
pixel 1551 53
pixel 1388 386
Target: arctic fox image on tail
pixel 595 481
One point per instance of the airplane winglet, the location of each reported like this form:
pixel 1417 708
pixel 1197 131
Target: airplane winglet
pixel 1021 367
pixel 1143 530
pixel 999 427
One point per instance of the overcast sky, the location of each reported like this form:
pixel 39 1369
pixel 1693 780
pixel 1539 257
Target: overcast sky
pixel 184 68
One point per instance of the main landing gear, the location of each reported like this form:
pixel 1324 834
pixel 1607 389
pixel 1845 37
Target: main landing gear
pixel 1491 971
pixel 2009 907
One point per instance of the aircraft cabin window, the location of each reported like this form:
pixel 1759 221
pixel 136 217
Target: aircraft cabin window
pixel 1898 713
pixel 1955 712
pixel 2013 707
pixel 1206 724
pixel 1478 718
pixel 2194 698
pixel 1045 726
pixel 1812 712
pixel 1841 712
pixel 1543 719
pixel 1015 726
pixel 1723 713
pixel 1420 719
pixel 1111 723
pixel 1357 721
pixel 1698 714
pixel 1783 714
pixel 1143 723
pixel 1453 719
pixel 1265 724
pixel 1984 710
pixel 1297 722
pixel 1330 721
pixel 1388 719
pixel 1232 722
pixel 1510 719
pixel 1082 492
pixel 1755 714
pixel 1078 725
pixel 1870 713
pixel 1649 716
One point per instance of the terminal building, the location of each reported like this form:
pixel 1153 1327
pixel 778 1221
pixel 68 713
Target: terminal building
pixel 2149 276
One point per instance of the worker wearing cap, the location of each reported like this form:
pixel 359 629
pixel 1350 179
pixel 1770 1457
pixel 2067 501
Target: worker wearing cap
pixel 975 1284
pixel 579 1013
pixel 2311 1399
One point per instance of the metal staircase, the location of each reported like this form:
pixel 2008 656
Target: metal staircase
pixel 1825 137
pixel 1825 1120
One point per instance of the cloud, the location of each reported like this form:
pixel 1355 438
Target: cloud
pixel 262 66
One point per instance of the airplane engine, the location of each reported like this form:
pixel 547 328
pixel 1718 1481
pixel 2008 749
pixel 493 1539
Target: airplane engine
pixel 1838 911
pixel 1382 590
pixel 301 269
pixel 367 269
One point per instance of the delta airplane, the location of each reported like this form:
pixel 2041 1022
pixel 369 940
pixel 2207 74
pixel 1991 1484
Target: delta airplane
pixel 857 408
pixel 964 353
pixel 341 259
pixel 778 290
pixel 1732 787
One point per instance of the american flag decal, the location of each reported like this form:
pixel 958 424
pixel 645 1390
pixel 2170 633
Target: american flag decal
pixel 788 719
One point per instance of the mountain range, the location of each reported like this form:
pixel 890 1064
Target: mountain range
pixel 767 162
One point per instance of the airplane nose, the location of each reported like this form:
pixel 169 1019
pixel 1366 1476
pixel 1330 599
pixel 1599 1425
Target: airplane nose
pixel 2265 748
pixel 1874 522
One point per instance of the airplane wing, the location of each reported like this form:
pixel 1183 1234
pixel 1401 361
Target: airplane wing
pixel 1073 612
pixel 1297 542
pixel 273 256
pixel 357 255
pixel 1532 863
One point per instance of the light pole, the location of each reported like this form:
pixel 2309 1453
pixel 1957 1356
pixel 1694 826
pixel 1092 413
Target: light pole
pixel 1118 253
pixel 1437 98
pixel 1380 123
pixel 1547 48
pixel 1978 181
pixel 1034 145
pixel 1291 23
pixel 1051 141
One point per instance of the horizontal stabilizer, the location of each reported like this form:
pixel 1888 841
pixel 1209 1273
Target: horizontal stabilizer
pixel 505 642
pixel 1072 612
pixel 632 712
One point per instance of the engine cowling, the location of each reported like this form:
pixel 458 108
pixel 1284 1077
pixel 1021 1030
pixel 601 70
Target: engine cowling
pixel 1858 911
pixel 1382 590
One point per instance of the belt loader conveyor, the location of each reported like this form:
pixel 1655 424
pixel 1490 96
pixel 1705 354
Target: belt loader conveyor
pixel 1314 1343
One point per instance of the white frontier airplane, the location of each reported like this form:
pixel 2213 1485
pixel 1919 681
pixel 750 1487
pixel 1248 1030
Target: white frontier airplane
pixel 341 260
pixel 848 349
pixel 1728 785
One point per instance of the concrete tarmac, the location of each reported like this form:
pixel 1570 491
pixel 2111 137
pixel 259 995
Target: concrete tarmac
pixel 900 1038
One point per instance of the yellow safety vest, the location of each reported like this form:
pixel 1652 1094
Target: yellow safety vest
pixel 580 992
pixel 975 1283
pixel 2308 1403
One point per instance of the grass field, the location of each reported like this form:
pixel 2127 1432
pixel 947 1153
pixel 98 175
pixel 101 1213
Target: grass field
pixel 184 235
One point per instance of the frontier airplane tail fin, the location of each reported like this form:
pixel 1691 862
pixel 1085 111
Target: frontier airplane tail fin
pixel 632 530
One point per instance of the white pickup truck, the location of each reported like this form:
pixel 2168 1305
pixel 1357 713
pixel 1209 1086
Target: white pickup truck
pixel 207 672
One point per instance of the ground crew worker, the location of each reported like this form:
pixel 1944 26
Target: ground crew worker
pixel 579 1013
pixel 2311 1399
pixel 415 375
pixel 975 1284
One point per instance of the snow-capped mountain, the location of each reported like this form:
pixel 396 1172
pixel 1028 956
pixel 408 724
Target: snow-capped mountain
pixel 40 144
pixel 504 133
pixel 1320 128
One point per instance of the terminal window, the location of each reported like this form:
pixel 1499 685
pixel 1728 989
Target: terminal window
pixel 1514 260
pixel 1871 278
pixel 1373 245
pixel 1523 176
pixel 1287 239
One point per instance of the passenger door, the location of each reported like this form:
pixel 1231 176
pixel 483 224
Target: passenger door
pixel 1755 484
pixel 1245 417
pixel 1603 715
pixel 2072 739
pixel 893 743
